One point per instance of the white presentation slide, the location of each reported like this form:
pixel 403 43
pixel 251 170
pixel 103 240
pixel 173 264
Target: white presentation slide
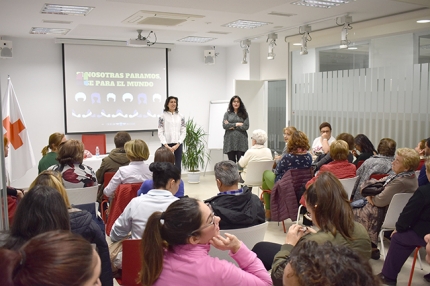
pixel 110 89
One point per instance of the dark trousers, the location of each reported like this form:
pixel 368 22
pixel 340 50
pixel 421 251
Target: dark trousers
pixel 266 252
pixel 178 155
pixel 235 155
pixel 402 245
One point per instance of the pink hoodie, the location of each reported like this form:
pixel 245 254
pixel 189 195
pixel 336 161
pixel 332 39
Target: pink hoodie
pixel 191 265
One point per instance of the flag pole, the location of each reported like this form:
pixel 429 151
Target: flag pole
pixel 4 217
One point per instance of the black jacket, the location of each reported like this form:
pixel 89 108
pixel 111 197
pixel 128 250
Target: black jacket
pixel 81 223
pixel 416 213
pixel 238 211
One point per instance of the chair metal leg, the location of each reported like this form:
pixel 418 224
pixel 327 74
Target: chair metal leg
pixel 381 238
pixel 298 214
pixel 411 275
pixel 419 260
pixel 283 225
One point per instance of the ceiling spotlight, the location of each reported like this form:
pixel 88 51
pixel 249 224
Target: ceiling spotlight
pixel 245 44
pixel 346 23
pixel 306 37
pixel 271 39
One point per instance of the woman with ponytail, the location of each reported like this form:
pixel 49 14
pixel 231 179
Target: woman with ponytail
pixel 51 258
pixel 50 158
pixel 176 244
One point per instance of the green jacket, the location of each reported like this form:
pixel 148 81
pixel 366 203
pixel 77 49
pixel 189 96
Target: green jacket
pixel 360 244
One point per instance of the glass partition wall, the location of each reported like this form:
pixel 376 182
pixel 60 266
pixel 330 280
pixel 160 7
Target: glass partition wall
pixel 388 97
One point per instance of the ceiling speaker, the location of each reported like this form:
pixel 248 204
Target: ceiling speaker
pixel 5 49
pixel 209 57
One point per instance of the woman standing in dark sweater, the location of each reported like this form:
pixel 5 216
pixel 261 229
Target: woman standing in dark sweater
pixel 412 226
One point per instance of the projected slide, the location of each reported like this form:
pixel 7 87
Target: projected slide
pixel 109 89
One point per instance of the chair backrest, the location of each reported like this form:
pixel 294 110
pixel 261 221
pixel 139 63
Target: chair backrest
pixel 420 165
pixel 378 176
pixel 131 263
pixel 78 196
pixel 398 202
pixel 417 173
pixel 255 170
pixel 249 236
pixel 107 177
pixel 91 141
pixel 123 195
pixel 348 185
pixel 359 163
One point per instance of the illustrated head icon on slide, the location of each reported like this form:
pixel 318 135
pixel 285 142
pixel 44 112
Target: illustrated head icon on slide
pixel 80 95
pixel 126 96
pixel 110 96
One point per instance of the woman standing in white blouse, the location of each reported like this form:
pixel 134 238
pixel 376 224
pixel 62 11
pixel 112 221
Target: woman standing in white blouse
pixel 171 129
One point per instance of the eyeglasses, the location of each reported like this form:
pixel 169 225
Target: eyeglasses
pixel 208 225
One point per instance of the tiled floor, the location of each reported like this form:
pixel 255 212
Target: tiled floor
pixel 207 188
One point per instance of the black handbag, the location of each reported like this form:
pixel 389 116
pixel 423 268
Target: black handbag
pixel 372 187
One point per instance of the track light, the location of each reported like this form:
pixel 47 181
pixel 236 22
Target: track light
pixel 245 44
pixel 344 42
pixel 306 37
pixel 271 39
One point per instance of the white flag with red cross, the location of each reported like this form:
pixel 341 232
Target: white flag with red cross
pixel 20 158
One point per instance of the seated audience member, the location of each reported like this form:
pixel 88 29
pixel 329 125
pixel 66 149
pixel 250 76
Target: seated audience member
pixel 11 191
pixel 256 153
pixel 377 164
pixel 81 221
pixel 74 173
pixel 116 158
pixel 162 154
pixel 331 213
pixel 288 131
pixel 349 139
pixel 411 227
pixel 49 159
pixel 133 219
pixel 237 207
pixel 364 147
pixel 327 264
pixel 137 171
pixel 297 157
pixel 321 145
pixel 41 210
pixel 421 148
pixel 401 180
pixel 176 244
pixel 340 167
pixel 422 178
pixel 51 258
pixel 427 240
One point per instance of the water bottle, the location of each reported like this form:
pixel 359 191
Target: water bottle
pixel 275 154
pixel 97 151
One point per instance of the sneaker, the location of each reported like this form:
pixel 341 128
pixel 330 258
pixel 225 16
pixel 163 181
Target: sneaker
pixel 375 254
pixel 427 277
pixel 386 281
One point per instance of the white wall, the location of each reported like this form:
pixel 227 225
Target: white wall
pixel 36 73
pixel 277 68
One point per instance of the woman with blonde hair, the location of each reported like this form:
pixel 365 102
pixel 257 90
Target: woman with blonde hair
pixel 136 172
pixel 50 158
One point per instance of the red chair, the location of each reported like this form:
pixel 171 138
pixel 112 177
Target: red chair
pixel 422 161
pixel 105 201
pixel 378 176
pixel 123 195
pixel 131 263
pixel 91 141
pixel 359 163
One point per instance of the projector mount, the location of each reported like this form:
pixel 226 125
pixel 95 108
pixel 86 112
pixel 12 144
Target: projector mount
pixel 141 38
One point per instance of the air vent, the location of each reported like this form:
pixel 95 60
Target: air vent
pixel 218 32
pixel 159 18
pixel 281 14
pixel 56 22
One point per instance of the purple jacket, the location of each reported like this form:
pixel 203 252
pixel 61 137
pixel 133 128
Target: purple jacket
pixel 283 200
pixel 191 264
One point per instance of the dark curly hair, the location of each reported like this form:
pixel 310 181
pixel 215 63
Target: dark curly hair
pixel 242 113
pixel 329 264
pixel 298 140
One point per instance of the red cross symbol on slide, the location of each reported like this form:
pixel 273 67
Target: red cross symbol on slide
pixel 12 132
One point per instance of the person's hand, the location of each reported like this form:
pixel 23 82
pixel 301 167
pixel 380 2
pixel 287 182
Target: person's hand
pixel 170 148
pixel 226 122
pixel 239 124
pixel 230 242
pixel 19 193
pixel 277 157
pixel 394 231
pixel 325 136
pixel 295 232
pixel 370 200
pixel 354 152
pixel 174 148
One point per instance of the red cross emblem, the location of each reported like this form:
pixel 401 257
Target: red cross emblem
pixel 12 132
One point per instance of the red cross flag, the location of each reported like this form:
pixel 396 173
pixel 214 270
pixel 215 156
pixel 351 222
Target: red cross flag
pixel 21 158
